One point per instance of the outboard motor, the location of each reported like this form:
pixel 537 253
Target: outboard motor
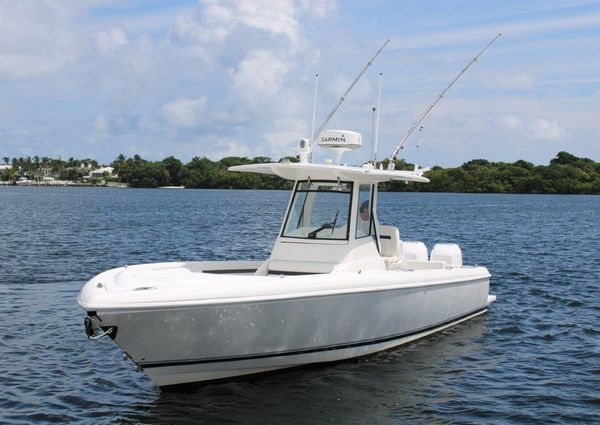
pixel 449 253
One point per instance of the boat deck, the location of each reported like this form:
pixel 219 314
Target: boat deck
pixel 181 283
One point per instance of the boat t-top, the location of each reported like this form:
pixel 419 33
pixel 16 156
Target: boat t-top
pixel 338 284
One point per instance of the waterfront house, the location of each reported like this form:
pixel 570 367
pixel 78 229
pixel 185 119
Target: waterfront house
pixel 102 172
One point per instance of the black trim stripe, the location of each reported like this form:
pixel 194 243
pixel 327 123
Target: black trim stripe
pixel 363 343
pixel 289 273
pixel 233 271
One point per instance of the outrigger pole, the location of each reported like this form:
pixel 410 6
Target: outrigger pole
pixel 416 124
pixel 339 102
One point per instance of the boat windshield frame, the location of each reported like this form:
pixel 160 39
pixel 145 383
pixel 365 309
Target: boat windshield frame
pixel 298 189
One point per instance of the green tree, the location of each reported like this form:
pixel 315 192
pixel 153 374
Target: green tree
pixel 563 158
pixel 138 172
pixel 173 167
pixel 10 174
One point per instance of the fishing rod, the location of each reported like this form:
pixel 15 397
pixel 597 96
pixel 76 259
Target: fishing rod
pixel 376 124
pixel 416 124
pixel 341 100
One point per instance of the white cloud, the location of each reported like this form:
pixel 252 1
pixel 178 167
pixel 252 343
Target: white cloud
pixel 101 125
pixel 206 29
pixel 110 40
pixel 546 130
pixel 259 77
pixel 184 112
pixel 240 66
pixel 36 38
pixel 216 21
pixel 284 135
pixel 360 93
pixel 540 129
pixel 148 125
pixel 124 124
pixel 274 16
pixel 466 35
pixel 512 122
pixel 235 77
pixel 228 147
pixel 218 14
pixel 555 24
pixel 318 8
pixel 517 81
pixel 260 47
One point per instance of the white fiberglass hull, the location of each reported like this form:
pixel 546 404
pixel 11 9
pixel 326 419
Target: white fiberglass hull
pixel 279 322
pixel 211 369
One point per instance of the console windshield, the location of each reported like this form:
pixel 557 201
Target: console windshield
pixel 319 210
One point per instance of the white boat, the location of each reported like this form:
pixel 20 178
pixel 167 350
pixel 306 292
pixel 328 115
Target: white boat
pixel 338 284
pixel 24 181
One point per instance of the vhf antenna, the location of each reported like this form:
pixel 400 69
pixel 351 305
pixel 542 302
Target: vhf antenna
pixel 341 100
pixel 416 124
pixel 375 128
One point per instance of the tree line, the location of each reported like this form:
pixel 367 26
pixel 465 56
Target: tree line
pixel 565 174
pixel 199 173
pixel 37 167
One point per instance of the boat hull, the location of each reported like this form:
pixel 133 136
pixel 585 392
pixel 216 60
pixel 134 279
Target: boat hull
pixel 196 371
pixel 180 345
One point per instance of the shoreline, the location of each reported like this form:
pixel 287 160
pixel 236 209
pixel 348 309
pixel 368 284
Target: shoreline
pixel 124 186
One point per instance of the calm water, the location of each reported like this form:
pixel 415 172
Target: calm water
pixel 534 358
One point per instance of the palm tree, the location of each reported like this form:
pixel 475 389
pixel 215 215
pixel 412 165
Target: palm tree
pixel 10 174
pixel 119 166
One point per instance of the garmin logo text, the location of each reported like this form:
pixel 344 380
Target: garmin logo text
pixel 340 139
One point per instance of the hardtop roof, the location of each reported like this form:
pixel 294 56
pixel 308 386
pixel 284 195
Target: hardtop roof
pixel 305 171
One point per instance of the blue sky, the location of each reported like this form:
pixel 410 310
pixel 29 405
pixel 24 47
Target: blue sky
pixel 98 78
